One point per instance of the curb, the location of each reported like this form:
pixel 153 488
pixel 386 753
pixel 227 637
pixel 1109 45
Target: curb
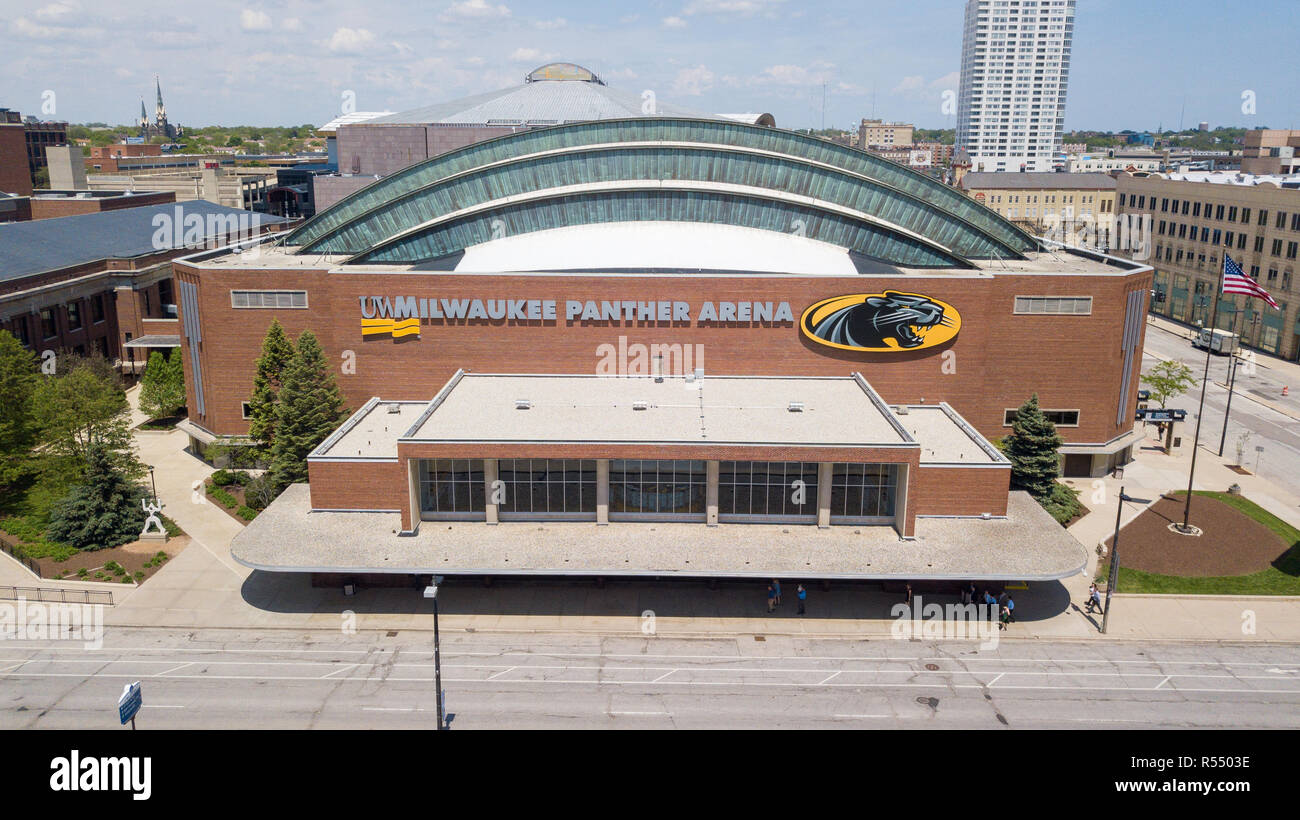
pixel 636 633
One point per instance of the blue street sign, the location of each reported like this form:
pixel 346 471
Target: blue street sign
pixel 130 702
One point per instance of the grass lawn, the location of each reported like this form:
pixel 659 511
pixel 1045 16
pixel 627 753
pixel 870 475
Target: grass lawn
pixel 1283 578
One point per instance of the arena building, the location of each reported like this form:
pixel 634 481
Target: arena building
pixel 671 346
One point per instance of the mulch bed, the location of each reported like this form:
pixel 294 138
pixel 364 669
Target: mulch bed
pixel 235 490
pixel 131 557
pixel 1232 543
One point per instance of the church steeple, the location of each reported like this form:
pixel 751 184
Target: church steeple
pixel 160 112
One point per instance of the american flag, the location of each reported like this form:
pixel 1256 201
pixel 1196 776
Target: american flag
pixel 1234 281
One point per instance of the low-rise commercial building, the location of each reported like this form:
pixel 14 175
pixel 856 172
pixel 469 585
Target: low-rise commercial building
pixel 1198 217
pixel 1040 201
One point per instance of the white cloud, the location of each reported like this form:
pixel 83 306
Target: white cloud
pixel 254 20
pixel 950 80
pixel 291 24
pixel 550 25
pixel 910 85
pixel 54 11
pixel 349 40
pixel 530 55
pixel 692 82
pixel 480 9
pixel 674 22
pixel 734 8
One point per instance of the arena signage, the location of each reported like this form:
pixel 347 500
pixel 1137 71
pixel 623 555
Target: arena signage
pixel 400 316
pixel 881 322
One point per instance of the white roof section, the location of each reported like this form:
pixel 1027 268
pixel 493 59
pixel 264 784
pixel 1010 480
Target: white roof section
pixel 749 410
pixel 351 119
pixel 1235 178
pixel 371 433
pixel 681 246
pixel 946 438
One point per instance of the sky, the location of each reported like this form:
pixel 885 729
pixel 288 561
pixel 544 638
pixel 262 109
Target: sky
pixel 1137 64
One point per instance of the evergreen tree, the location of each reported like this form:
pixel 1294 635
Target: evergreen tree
pixel 162 387
pixel 309 409
pixel 103 511
pixel 277 350
pixel 18 428
pixel 1031 448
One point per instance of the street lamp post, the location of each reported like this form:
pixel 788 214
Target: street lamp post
pixel 431 591
pixel 1113 578
pixel 154 484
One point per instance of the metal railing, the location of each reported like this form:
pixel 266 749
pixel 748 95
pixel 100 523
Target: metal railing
pixel 19 557
pixel 56 595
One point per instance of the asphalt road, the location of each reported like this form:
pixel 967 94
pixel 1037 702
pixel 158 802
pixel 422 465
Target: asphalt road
pixel 275 679
pixel 1277 433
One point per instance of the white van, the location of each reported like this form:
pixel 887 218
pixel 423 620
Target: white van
pixel 1218 341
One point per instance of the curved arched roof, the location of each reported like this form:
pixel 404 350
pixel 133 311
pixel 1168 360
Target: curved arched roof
pixel 662 169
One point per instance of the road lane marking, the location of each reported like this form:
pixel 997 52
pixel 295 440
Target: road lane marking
pixel 995 680
pixel 347 668
pixel 831 678
pixel 495 675
pixel 1163 682
pixel 173 669
pixel 664 675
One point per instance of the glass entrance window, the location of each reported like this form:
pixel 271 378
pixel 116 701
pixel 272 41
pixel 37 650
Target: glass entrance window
pixel 452 489
pixel 863 493
pixel 767 490
pixel 548 488
pixel 660 489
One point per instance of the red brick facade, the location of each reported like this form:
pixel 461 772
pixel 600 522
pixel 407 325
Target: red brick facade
pixel 999 358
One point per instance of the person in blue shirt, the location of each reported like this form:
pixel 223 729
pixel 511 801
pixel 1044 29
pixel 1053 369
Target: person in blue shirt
pixel 803 597
pixel 776 584
pixel 1011 609
pixel 771 598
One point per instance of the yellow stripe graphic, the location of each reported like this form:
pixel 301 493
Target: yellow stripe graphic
pixel 379 327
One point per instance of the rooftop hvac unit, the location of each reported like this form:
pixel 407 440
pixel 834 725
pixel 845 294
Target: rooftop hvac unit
pixel 795 407
pixel 394 407
pixel 902 410
pixel 640 405
pixel 523 404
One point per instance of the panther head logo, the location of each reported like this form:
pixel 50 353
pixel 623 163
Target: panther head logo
pixel 866 322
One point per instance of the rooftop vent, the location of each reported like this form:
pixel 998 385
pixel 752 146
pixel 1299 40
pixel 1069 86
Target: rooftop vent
pixel 795 407
pixel 902 410
pixel 523 404
pixel 640 405
pixel 394 407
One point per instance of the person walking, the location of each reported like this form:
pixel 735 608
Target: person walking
pixel 1011 609
pixel 991 603
pixel 771 599
pixel 909 596
pixel 1094 599
pixel 776 584
pixel 802 594
pixel 1005 619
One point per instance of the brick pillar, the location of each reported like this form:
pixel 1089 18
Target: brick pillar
pixel 602 491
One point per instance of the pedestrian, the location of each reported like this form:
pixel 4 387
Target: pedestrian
pixel 771 599
pixel 1094 598
pixel 1005 619
pixel 971 593
pixel 1002 598
pixel 777 585
pixel 991 604
pixel 1011 609
pixel 803 597
pixel 909 596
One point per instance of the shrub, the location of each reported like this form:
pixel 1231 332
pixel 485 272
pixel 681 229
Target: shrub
pixel 222 478
pixel 259 492
pixel 126 579
pixel 246 513
pixel 1062 503
pixel 224 498
pixel 83 572
pixel 139 576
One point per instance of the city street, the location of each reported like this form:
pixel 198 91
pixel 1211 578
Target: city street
pixel 293 679
pixel 1278 433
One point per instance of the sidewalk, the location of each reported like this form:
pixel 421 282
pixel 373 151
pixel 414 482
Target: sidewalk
pixel 204 588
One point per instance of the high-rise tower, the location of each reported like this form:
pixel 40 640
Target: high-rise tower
pixel 1015 66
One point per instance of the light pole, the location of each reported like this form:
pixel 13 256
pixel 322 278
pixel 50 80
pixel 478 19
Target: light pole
pixel 154 484
pixel 431 591
pixel 1113 578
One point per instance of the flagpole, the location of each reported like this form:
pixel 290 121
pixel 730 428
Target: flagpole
pixel 1232 379
pixel 1200 412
